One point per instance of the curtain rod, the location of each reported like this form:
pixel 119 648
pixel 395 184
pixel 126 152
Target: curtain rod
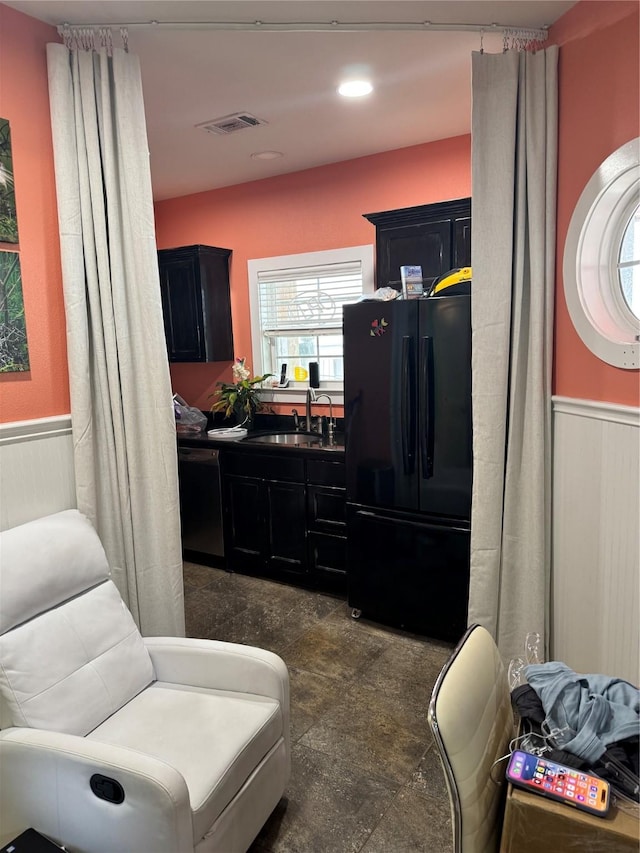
pixel 529 33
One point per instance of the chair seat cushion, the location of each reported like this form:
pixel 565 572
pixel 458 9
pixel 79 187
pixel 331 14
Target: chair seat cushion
pixel 214 739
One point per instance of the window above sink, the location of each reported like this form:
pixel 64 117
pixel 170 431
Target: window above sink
pixel 296 313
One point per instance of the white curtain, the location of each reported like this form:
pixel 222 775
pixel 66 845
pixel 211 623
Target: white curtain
pixel 121 399
pixel 514 159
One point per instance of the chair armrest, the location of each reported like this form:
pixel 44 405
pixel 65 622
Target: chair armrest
pixel 219 666
pixel 44 779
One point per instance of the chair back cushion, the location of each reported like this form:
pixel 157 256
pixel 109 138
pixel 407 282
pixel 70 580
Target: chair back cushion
pixel 472 722
pixel 70 652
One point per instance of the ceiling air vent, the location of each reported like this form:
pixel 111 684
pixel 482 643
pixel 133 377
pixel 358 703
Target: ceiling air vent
pixel 231 123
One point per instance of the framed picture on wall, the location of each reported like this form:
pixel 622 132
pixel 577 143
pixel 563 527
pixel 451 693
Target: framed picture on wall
pixel 8 218
pixel 14 352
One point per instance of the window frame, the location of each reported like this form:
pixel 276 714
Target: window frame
pixel 633 213
pixel 296 390
pixel 596 305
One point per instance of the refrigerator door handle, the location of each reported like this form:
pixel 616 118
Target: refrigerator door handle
pixel 407 408
pixel 426 407
pixel 445 525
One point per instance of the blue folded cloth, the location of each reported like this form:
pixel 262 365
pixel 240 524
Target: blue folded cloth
pixel 586 713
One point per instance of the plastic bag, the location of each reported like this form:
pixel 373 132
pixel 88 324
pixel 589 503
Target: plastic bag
pixel 382 294
pixel 189 420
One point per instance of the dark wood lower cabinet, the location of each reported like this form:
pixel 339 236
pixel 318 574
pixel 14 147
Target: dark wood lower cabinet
pixel 244 532
pixel 328 561
pixel 285 519
pixel 327 528
pixel 285 551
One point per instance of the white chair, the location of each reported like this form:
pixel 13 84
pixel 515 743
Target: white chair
pixel 472 723
pixel 119 743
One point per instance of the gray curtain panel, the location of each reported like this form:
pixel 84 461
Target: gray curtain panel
pixel 514 161
pixel 121 399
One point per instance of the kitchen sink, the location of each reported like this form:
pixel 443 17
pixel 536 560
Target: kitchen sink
pixel 291 439
pixel 285 438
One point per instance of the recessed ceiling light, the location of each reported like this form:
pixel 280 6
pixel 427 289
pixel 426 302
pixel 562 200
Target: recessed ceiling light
pixel 355 88
pixel 267 155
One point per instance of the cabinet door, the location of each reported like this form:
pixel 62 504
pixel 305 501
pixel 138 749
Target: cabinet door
pixel 286 529
pixel 218 335
pixel 182 308
pixel 461 242
pixel 427 245
pixel 194 284
pixel 245 539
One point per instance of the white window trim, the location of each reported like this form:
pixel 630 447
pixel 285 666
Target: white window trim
pixel 296 391
pixel 604 321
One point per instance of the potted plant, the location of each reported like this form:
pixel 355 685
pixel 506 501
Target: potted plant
pixel 240 397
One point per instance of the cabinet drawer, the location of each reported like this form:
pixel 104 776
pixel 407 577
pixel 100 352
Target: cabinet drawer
pixel 326 473
pixel 328 559
pixel 263 467
pixel 327 508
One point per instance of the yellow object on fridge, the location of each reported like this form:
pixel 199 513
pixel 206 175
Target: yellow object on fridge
pixel 460 276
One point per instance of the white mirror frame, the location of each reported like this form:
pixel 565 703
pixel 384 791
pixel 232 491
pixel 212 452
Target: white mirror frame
pixel 600 315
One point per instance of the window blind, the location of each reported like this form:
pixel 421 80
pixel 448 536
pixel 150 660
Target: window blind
pixel 297 301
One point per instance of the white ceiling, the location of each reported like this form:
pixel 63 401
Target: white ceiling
pixel 288 78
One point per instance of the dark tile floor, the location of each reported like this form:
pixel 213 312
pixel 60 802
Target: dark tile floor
pixel 365 773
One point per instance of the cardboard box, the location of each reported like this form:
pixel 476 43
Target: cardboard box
pixel 533 823
pixel 411 278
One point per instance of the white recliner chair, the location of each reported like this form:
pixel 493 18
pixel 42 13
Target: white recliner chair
pixel 117 742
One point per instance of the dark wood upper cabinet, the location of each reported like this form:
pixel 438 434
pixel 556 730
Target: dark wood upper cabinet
pixel 194 283
pixel 436 237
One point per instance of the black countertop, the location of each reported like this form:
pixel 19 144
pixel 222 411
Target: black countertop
pixel 305 445
pixel 262 440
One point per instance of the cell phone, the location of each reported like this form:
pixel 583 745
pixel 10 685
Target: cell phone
pixel 559 782
pixel 283 374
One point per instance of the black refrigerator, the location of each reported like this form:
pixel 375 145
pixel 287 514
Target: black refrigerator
pixel 409 461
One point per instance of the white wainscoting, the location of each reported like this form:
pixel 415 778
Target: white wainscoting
pixel 36 469
pixel 596 539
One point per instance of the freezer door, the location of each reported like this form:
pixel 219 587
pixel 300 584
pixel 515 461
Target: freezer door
pixel 381 403
pixel 444 403
pixel 408 573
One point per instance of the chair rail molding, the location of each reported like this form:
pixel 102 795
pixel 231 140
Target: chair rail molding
pixel 612 412
pixel 595 584
pixel 36 469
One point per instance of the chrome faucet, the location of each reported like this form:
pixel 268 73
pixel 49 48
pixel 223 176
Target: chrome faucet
pixel 312 397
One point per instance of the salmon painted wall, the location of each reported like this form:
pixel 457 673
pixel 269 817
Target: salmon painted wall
pixel 305 211
pixel 316 209
pixel 24 101
pixel 599 98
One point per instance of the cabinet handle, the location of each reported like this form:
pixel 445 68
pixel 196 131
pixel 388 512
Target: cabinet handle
pixel 405 522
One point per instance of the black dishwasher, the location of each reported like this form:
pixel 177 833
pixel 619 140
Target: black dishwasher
pixel 201 505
